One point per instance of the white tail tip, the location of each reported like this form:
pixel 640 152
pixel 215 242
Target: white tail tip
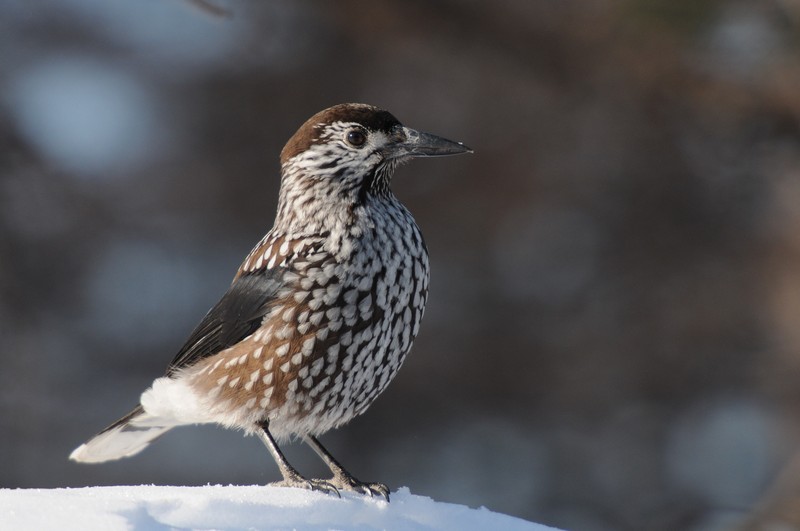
pixel 124 439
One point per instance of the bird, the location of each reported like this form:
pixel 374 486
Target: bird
pixel 320 315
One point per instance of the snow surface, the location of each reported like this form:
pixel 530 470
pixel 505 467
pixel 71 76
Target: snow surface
pixel 151 508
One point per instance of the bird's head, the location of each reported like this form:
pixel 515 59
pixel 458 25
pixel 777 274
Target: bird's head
pixel 348 153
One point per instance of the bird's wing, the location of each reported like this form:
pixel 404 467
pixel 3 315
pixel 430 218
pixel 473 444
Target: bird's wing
pixel 237 315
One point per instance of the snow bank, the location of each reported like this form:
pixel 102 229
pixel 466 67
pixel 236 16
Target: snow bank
pixel 150 508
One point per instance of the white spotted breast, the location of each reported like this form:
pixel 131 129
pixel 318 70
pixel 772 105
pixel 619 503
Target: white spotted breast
pixel 336 333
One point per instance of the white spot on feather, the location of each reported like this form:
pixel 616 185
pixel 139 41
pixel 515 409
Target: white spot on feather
pixel 316 367
pixel 300 296
pixel 308 346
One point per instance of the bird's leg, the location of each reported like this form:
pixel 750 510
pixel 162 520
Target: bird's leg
pixel 291 477
pixel 342 479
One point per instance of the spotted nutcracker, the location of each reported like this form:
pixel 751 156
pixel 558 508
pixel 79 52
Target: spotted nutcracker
pixel 320 315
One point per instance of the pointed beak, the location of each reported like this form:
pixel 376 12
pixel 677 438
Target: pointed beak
pixel 412 143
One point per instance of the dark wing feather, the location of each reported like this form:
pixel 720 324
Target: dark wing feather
pixel 237 315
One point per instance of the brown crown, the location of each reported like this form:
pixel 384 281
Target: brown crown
pixel 372 118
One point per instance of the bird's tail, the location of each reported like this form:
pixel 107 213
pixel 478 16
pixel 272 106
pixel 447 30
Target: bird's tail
pixel 126 437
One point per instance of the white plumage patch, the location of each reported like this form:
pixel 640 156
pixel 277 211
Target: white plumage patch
pixel 173 401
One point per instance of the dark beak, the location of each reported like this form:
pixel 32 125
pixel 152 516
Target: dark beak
pixel 419 144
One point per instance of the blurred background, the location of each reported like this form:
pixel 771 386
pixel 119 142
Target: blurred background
pixel 612 339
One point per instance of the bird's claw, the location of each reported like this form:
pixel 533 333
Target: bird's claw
pixel 351 484
pixel 310 484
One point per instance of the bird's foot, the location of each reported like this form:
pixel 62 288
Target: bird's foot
pixel 299 482
pixel 349 483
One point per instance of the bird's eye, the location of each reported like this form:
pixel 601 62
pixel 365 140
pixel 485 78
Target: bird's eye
pixel 356 137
